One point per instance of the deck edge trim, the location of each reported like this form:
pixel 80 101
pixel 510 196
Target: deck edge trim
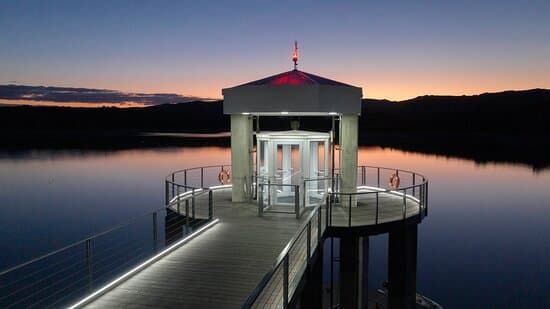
pixel 86 300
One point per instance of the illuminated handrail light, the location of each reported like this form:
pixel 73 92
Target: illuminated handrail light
pixel 141 266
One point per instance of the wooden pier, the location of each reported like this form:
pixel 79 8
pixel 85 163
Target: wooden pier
pixel 221 267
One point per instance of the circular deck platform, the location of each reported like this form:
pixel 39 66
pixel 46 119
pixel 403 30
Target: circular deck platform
pixel 371 207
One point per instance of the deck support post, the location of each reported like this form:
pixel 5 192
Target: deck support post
pixel 349 266
pixel 241 157
pixel 402 253
pixel 363 289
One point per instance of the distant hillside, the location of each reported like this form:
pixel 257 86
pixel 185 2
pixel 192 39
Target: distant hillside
pixel 195 116
pixel 527 110
pixel 518 111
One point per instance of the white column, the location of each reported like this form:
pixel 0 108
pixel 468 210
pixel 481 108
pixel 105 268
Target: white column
pixel 241 157
pixel 348 155
pixel 287 166
pixel 314 159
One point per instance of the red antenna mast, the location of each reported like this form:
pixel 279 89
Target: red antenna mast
pixel 295 55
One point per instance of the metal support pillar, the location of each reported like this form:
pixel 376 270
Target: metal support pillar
pixel 402 253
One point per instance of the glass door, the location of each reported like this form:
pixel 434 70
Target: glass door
pixel 288 172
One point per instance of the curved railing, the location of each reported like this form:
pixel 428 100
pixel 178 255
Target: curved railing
pixel 278 285
pixel 365 206
pixel 182 188
pixel 372 197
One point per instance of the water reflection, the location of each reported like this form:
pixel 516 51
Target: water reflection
pixel 487 232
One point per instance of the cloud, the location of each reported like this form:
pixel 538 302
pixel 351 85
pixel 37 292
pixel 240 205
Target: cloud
pixel 88 95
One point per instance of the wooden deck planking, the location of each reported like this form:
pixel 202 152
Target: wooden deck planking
pixel 221 267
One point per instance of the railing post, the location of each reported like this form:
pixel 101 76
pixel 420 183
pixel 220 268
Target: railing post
pixel 178 197
pixel 404 204
pixel 285 282
pixel 297 201
pixel 426 198
pixel 326 212
pixel 305 194
pixel 378 176
pixel 210 204
pixel 89 263
pixel 330 212
pixel 414 183
pixel 187 213
pixel 376 217
pixel 166 197
pixel 269 192
pixel 193 204
pixel 155 236
pixel 261 200
pixel 256 186
pixel 319 226
pixel 173 184
pixel 185 178
pixel 337 183
pixel 349 218
pixel 363 176
pixel 202 177
pixel 308 242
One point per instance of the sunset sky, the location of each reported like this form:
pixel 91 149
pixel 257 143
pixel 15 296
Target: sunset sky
pixel 392 49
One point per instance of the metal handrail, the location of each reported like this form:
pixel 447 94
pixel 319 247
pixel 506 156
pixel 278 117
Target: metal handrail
pixel 85 264
pixel 74 244
pixel 172 175
pixel 172 186
pixel 416 191
pixel 283 257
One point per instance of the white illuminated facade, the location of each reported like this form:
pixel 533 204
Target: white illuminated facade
pixel 292 159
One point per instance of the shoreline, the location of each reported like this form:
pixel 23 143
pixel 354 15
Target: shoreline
pixel 528 148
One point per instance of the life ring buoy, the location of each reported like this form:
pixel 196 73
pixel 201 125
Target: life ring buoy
pixel 394 181
pixel 224 177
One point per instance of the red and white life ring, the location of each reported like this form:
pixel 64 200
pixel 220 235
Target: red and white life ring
pixel 224 177
pixel 394 181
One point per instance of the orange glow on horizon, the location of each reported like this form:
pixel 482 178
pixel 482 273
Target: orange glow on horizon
pixel 393 85
pixel 71 104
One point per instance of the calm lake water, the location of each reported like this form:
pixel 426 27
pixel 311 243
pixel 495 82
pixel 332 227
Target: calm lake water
pixel 485 243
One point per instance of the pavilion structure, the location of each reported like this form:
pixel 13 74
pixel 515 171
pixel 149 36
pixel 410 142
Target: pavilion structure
pixel 291 161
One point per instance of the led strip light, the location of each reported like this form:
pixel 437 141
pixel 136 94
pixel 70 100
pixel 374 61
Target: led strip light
pixel 136 269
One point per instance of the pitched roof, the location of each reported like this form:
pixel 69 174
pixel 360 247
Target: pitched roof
pixel 296 78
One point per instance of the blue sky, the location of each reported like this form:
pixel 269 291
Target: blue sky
pixel 393 49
